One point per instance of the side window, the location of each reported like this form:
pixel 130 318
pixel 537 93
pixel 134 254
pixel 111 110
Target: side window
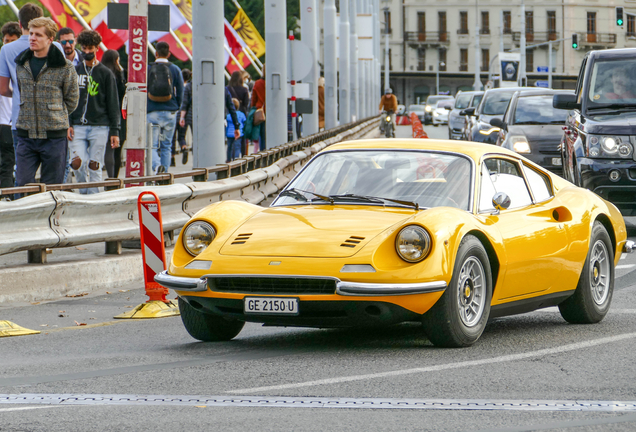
pixel 487 190
pixel 506 177
pixel 579 83
pixel 539 184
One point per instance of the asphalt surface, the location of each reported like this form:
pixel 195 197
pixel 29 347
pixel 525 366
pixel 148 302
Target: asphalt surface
pixel 86 371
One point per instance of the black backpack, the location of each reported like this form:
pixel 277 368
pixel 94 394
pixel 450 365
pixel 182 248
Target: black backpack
pixel 160 82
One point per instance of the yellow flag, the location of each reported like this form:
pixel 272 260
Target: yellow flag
pixel 185 6
pixel 87 8
pixel 244 27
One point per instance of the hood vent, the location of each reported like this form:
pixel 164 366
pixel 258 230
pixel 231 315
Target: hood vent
pixel 241 239
pixel 352 242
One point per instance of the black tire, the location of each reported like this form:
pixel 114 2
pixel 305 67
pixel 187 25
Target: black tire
pixel 388 130
pixel 443 323
pixel 593 295
pixel 206 327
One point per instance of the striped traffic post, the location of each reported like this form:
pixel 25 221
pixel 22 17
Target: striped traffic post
pixel 153 252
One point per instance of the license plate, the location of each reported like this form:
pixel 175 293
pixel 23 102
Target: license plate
pixel 270 305
pixel 556 161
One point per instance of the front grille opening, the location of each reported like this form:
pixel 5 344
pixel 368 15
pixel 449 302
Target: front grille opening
pixel 241 238
pixel 273 285
pixel 621 197
pixel 352 241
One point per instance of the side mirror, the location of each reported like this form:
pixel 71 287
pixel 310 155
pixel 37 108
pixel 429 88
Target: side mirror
pixel 468 111
pixel 501 201
pixel 565 101
pixel 496 122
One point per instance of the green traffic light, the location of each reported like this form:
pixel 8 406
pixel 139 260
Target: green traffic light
pixel 619 22
pixel 575 46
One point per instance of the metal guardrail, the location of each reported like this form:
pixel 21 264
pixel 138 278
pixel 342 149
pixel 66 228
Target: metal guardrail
pixel 56 218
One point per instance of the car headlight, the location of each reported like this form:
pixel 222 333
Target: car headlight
pixel 519 144
pixel 428 108
pixel 436 114
pixel 197 236
pixel 413 243
pixel 609 147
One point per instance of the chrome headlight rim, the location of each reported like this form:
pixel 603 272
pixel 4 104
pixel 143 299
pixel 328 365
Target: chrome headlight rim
pixel 609 147
pixel 185 238
pixel 425 236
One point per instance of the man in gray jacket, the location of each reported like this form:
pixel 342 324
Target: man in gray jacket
pixel 48 93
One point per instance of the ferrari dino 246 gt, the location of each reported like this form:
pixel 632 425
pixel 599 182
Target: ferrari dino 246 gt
pixel 369 233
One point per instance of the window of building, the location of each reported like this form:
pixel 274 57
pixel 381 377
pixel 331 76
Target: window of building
pixel 421 22
pixel 463 60
pixel 507 22
pixel 485 60
pixel 631 25
pixel 529 60
pixel 421 59
pixel 441 16
pixel 552 25
pixel 442 59
pixel 463 22
pixel 387 16
pixel 591 22
pixel 529 26
pixel 485 23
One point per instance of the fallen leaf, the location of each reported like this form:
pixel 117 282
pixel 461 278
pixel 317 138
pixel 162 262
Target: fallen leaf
pixel 44 325
pixel 123 290
pixel 130 307
pixel 34 303
pixel 107 292
pixel 79 248
pixel 61 315
pixel 79 324
pixel 77 295
pixel 62 311
pixel 92 318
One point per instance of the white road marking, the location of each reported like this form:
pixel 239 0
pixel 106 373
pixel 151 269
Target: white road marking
pixel 623 255
pixel 625 266
pixel 442 367
pixel 24 408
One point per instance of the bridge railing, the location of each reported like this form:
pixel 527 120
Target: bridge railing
pixel 53 217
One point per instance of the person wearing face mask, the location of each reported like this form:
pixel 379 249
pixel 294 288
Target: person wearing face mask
pixel 96 117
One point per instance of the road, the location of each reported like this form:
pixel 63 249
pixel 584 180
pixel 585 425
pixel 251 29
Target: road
pixel 527 372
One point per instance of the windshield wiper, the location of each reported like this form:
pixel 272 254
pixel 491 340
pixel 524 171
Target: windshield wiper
pixel 613 107
pixel 376 200
pixel 299 195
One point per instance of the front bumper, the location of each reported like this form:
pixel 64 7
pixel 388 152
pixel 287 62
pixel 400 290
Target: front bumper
pixel 595 176
pixel 343 288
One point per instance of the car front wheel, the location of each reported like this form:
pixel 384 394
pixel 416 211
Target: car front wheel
pixel 206 327
pixel 591 300
pixel 459 317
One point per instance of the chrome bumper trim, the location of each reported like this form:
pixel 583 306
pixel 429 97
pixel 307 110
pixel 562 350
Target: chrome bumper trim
pixel 629 246
pixel 181 283
pixel 379 289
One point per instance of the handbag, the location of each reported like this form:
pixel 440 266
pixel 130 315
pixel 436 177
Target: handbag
pixel 259 116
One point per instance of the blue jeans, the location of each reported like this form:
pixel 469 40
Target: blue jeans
pixel 162 137
pixel 234 148
pixel 87 148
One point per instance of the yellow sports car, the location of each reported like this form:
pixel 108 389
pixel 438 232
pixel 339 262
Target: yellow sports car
pixel 378 232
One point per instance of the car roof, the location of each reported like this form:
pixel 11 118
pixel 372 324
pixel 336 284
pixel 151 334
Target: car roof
pixel 502 89
pixel 544 92
pixel 626 53
pixel 471 149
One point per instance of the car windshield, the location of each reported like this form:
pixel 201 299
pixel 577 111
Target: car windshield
pixel 462 101
pixel 416 108
pixel 538 110
pixel 420 179
pixel 476 100
pixel 495 103
pixel 432 100
pixel 448 104
pixel 613 84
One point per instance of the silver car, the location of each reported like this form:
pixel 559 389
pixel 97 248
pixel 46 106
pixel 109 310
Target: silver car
pixel 456 121
pixel 418 110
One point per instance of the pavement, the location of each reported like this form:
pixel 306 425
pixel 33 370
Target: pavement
pixel 80 270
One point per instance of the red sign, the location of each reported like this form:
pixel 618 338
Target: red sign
pixel 138 51
pixel 135 160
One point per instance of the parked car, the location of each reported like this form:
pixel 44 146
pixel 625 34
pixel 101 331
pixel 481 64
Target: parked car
pixel 457 121
pixel 600 131
pixel 418 110
pixel 430 103
pixel 377 232
pixel 533 127
pixel 441 111
pixel 492 105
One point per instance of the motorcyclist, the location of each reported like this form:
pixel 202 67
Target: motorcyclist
pixel 388 104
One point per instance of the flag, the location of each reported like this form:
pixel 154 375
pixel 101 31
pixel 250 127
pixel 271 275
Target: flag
pixel 244 27
pixel 179 25
pixel 234 42
pixel 62 16
pixel 185 6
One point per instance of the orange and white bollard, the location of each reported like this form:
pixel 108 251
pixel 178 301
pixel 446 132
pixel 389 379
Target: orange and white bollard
pixel 153 252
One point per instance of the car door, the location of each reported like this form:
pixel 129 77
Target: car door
pixel 534 240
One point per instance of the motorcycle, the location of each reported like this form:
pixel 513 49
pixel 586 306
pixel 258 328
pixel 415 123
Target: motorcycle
pixel 386 125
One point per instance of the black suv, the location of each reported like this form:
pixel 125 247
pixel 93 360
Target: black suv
pixel 597 147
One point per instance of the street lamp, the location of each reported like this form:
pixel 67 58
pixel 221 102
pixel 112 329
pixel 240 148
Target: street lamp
pixel 439 64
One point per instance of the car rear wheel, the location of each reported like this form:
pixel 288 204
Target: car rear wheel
pixel 459 317
pixel 591 300
pixel 206 327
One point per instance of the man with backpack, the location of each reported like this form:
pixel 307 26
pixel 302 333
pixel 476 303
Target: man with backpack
pixel 165 94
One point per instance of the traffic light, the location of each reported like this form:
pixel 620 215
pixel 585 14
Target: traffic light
pixel 619 16
pixel 575 41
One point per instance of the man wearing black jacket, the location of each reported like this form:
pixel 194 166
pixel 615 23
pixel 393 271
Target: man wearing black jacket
pixel 97 114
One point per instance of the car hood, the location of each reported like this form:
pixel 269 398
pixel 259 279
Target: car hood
pixel 538 133
pixel 623 124
pixel 319 231
pixel 485 118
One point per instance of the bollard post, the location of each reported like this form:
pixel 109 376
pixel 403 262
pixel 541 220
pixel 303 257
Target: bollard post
pixel 154 261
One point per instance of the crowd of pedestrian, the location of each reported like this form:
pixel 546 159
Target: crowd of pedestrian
pixel 60 107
